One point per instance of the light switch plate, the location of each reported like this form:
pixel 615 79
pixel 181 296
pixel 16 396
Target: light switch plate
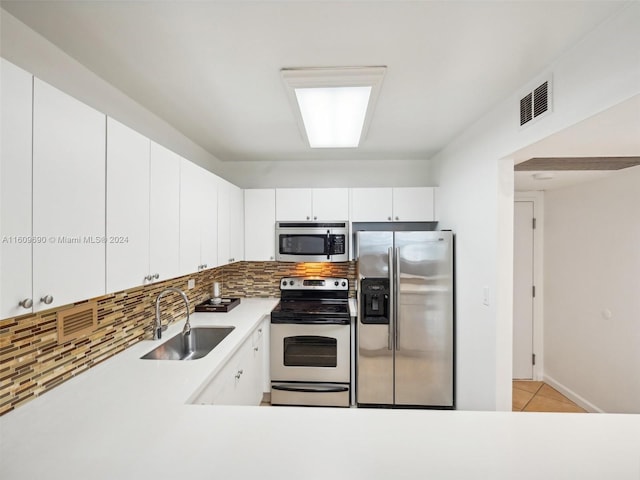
pixel 485 296
pixel 191 283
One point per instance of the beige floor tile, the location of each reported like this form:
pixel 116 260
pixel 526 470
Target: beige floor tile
pixel 520 398
pixel 527 385
pixel 544 404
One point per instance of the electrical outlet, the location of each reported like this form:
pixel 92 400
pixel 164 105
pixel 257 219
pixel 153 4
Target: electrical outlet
pixel 191 284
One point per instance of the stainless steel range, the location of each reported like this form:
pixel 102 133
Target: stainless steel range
pixel 311 343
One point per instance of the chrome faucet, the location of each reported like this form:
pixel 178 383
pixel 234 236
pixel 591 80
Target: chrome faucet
pixel 157 330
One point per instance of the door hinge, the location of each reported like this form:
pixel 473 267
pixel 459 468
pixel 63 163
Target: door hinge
pixel 533 291
pixel 533 359
pixel 533 223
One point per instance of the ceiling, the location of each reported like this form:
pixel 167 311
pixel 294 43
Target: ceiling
pixel 614 132
pixel 211 68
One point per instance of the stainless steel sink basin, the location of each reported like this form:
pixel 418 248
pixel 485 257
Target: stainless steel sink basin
pixel 196 345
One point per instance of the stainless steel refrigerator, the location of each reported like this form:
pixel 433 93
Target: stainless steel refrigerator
pixel 405 328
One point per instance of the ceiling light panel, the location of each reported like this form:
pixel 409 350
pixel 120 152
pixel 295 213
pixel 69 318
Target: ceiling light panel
pixel 333 106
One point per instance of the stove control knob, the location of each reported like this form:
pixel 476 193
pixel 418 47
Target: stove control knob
pixel 290 282
pixel 284 284
pixel 344 284
pixel 336 283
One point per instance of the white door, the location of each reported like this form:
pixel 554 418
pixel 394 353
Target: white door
pixel 523 290
pixel 293 204
pixel 127 207
pixel 209 219
pixel 371 204
pixel 68 198
pixel 330 204
pixel 413 204
pixel 259 224
pixel 236 224
pixel 15 190
pixel 164 213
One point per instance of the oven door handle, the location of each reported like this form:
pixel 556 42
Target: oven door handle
pixel 318 389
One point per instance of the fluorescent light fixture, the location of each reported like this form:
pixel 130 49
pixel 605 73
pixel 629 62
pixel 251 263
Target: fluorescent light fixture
pixel 333 105
pixel 333 117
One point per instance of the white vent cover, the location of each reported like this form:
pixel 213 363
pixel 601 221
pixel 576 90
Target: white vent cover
pixel 536 102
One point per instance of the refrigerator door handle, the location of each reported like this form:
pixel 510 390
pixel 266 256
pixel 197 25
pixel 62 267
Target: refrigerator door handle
pixel 396 282
pixel 391 300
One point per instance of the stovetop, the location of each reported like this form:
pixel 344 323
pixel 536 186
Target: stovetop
pixel 305 299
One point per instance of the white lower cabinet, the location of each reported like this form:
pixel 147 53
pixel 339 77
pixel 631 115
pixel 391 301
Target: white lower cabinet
pixel 241 381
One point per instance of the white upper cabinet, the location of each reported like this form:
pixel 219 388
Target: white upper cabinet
pixel 413 204
pixel 15 190
pixel 330 204
pixel 403 204
pixel 68 198
pixel 127 207
pixel 230 223
pixel 259 224
pixel 314 204
pixel 164 213
pixel 198 218
pixel 293 204
pixel 236 224
pixel 208 219
pixel 371 204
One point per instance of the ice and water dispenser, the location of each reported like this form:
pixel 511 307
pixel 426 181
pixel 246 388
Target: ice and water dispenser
pixel 375 300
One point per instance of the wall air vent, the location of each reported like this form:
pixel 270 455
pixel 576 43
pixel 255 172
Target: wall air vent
pixel 77 321
pixel 535 102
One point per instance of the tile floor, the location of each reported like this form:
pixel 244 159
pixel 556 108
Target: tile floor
pixel 530 396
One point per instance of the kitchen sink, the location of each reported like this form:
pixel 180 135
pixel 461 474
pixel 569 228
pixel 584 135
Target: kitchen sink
pixel 196 345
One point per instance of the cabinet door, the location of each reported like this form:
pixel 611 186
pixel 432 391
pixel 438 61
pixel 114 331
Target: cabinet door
pixel 68 198
pixel 236 224
pixel 413 204
pixel 208 219
pixel 224 217
pixel 293 204
pixel 371 204
pixel 259 224
pixel 190 218
pixel 330 203
pixel 127 207
pixel 15 190
pixel 164 216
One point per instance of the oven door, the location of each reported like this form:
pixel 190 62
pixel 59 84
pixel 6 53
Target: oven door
pixel 310 352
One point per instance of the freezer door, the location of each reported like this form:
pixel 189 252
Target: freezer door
pixel 424 330
pixel 374 362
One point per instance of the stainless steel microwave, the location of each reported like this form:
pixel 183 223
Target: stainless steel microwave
pixel 312 241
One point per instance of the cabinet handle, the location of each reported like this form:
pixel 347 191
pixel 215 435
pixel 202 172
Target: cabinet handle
pixel 239 374
pixel 156 276
pixel 47 300
pixel 255 349
pixel 315 218
pixel 397 218
pixel 308 217
pixel 149 278
pixel 270 258
pixel 388 218
pixel 260 330
pixel 26 303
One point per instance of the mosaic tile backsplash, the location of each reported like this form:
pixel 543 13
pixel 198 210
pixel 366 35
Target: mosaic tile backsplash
pixel 32 361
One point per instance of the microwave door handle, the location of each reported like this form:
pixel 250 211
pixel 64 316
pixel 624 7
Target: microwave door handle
pixel 328 245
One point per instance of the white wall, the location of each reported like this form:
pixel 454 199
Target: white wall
pixel 476 197
pixel 592 290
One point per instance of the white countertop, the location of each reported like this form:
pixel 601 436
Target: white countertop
pixel 127 419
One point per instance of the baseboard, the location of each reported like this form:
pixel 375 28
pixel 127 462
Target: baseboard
pixel 571 395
